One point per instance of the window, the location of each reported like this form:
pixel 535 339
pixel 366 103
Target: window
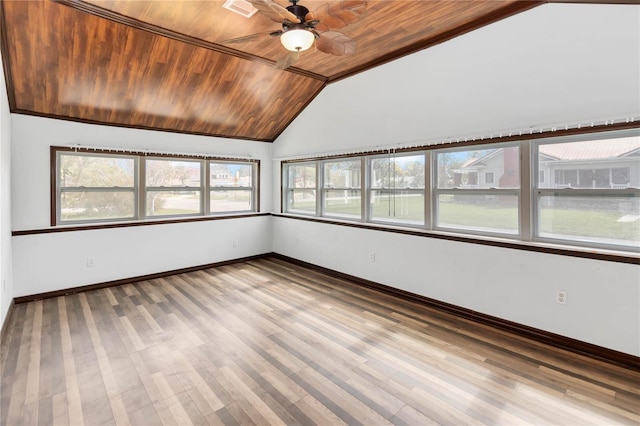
pixel 397 191
pixel 232 187
pixel 342 189
pixel 173 187
pixel 97 186
pixel 596 196
pixel 463 203
pixel 488 177
pixel 301 188
pixel 579 190
pixel 620 178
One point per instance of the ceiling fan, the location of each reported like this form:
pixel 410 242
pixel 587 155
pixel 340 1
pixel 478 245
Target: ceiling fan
pixel 301 28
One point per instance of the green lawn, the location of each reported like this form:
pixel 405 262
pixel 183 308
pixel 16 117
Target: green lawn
pixel 557 222
pixel 588 224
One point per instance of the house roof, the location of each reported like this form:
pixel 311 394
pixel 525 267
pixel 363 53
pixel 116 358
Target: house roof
pixel 599 149
pixel 592 150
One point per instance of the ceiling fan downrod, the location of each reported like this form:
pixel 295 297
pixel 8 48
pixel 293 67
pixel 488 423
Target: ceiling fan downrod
pixel 300 11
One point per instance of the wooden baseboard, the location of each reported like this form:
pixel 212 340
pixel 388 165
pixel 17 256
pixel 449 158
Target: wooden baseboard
pixel 562 342
pixel 79 289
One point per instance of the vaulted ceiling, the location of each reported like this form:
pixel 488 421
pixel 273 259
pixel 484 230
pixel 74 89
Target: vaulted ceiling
pixel 168 65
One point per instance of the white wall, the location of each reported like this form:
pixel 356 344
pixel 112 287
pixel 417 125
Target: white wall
pixel 558 63
pixel 47 262
pixel 516 285
pixel 6 276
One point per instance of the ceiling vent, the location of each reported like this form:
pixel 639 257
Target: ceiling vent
pixel 241 7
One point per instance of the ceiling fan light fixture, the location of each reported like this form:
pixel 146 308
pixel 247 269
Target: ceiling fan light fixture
pixel 297 39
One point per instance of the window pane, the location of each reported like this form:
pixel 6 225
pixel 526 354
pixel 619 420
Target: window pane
pixel 96 205
pixel 397 172
pixel 397 206
pixel 91 171
pixel 345 203
pixel 490 213
pixel 486 168
pixel 230 201
pixel 302 176
pixel 172 173
pixel 302 200
pixel 342 174
pixel 604 220
pixel 230 174
pixel 165 203
pixel 597 164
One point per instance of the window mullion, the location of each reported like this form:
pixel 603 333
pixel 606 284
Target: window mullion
pixel 285 189
pixel 205 187
pixel 364 190
pixel 142 184
pixel 527 172
pixel 319 188
pixel 58 195
pixel 428 189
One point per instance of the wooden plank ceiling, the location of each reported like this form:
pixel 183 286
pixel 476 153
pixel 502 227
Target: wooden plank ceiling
pixel 163 64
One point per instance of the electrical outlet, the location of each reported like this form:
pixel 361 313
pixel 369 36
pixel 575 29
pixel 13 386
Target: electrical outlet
pixel 234 243
pixel 561 297
pixel 372 256
pixel 90 262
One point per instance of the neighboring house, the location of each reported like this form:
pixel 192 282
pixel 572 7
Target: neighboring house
pixel 612 163
pixel 497 169
pixel 221 176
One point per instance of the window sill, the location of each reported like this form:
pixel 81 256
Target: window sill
pixel 148 222
pixel 534 246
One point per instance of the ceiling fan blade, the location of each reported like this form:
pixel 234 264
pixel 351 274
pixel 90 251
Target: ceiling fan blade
pixel 274 11
pixel 287 60
pixel 284 13
pixel 335 43
pixel 336 15
pixel 249 38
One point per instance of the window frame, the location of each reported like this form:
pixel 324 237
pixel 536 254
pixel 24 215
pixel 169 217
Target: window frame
pixel 288 190
pixel 491 191
pixel 59 189
pixel 370 189
pixel 252 188
pixel 577 191
pixel 140 189
pixel 324 189
pixel 158 189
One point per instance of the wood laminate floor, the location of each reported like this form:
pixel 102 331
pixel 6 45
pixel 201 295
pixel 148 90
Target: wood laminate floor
pixel 267 342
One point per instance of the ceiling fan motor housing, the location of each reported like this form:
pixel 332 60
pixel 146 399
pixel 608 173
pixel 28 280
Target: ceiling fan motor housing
pixel 300 11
